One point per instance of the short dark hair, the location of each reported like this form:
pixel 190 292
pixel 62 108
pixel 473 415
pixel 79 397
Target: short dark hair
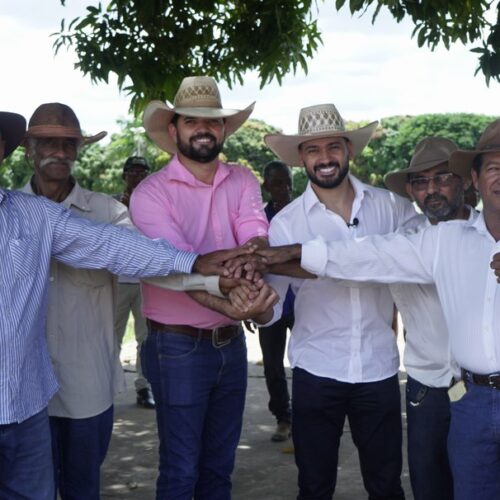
pixel 477 163
pixel 276 165
pixel 175 119
pixel 136 161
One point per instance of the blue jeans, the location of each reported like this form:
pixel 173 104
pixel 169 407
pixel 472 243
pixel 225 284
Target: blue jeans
pixel 319 408
pixel 26 460
pixel 428 417
pixel 272 341
pixel 199 391
pixel 79 447
pixel 474 444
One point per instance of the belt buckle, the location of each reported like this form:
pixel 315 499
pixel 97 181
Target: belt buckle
pixel 494 380
pixel 215 339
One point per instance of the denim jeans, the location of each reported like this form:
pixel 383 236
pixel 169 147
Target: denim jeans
pixel 428 417
pixel 474 444
pixel 26 470
pixel 272 341
pixel 79 447
pixel 319 408
pixel 199 391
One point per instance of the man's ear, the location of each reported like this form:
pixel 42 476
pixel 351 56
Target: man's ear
pixel 349 149
pixel 408 191
pixel 172 131
pixel 475 179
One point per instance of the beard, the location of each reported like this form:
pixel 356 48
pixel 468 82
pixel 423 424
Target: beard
pixel 445 210
pixel 329 183
pixel 204 153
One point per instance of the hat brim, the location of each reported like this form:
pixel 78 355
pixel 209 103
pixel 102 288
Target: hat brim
pixel 13 128
pixel 461 160
pixel 286 147
pixel 49 131
pixel 158 115
pixel 396 180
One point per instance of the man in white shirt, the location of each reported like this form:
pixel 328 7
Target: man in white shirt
pixel 342 348
pixel 440 196
pixel 456 257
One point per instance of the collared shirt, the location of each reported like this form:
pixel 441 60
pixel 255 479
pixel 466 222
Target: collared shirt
pixel 33 229
pixel 195 216
pixel 427 356
pixel 341 332
pixel 80 319
pixel 454 255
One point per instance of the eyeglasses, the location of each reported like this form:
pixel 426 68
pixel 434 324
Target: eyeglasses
pixel 440 180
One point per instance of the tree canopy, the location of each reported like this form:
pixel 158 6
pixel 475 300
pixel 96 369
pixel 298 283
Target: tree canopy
pixel 152 44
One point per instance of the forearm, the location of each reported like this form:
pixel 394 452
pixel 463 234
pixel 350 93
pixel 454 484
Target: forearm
pixel 291 268
pixel 187 282
pixel 210 301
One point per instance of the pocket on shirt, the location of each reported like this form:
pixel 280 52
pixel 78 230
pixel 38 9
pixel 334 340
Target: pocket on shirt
pixel 25 256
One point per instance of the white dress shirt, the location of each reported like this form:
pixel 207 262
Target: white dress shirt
pixel 341 332
pixel 454 255
pixel 427 356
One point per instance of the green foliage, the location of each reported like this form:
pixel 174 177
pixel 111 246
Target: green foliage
pixel 152 44
pixel 15 171
pixel 396 138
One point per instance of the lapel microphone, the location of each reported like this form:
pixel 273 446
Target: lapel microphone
pixel 354 222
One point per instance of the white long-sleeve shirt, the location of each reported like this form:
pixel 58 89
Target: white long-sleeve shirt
pixel 341 332
pixel 454 255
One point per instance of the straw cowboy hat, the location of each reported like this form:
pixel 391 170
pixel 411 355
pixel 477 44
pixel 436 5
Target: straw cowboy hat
pixel 197 96
pixel 461 161
pixel 429 152
pixel 317 122
pixel 12 128
pixel 54 119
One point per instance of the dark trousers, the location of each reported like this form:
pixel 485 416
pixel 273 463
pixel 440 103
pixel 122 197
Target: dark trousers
pixel 428 417
pixel 79 447
pixel 319 408
pixel 199 391
pixel 26 471
pixel 272 341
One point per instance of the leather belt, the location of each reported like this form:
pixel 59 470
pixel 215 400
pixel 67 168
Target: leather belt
pixel 219 336
pixel 490 380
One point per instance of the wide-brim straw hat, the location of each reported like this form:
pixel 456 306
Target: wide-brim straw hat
pixel 461 160
pixel 53 120
pixel 317 122
pixel 429 152
pixel 197 96
pixel 12 128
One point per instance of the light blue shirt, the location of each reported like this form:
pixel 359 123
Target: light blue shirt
pixel 32 231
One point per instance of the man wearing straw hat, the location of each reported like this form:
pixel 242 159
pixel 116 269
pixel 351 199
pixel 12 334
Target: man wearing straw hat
pixel 194 357
pixel 34 230
pixel 455 256
pixel 342 348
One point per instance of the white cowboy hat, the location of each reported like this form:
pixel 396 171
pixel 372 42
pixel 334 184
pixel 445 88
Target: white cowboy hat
pixel 317 122
pixel 197 96
pixel 429 152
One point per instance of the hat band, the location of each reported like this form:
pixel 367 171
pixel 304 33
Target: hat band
pixel 490 146
pixel 54 131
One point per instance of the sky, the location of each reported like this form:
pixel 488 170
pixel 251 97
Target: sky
pixel 368 71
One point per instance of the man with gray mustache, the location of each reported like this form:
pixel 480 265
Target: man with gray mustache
pixel 79 326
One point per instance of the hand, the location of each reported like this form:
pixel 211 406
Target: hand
pixel 242 297
pixel 213 262
pixel 246 265
pixel 227 284
pixel 265 300
pixel 495 265
pixel 279 255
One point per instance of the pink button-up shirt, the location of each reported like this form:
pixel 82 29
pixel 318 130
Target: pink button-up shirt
pixel 174 205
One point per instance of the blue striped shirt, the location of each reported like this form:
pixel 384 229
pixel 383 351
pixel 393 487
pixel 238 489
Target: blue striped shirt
pixel 32 231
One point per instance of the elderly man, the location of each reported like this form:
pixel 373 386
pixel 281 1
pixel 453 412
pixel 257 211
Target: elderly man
pixel 342 348
pixel 129 299
pixel 34 230
pixel 455 256
pixel 195 358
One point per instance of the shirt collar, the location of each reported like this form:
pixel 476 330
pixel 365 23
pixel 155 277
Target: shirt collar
pixel 176 171
pixel 360 189
pixel 3 194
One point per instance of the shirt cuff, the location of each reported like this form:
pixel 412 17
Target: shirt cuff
pixel 184 261
pixel 315 256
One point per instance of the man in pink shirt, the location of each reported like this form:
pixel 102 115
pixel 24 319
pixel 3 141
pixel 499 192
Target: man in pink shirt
pixel 195 357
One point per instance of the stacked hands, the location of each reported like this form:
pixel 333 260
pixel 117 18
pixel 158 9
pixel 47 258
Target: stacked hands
pixel 241 271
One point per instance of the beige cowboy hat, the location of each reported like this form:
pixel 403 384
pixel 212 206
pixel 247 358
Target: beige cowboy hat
pixel 54 119
pixel 12 128
pixel 317 122
pixel 461 161
pixel 197 96
pixel 429 152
